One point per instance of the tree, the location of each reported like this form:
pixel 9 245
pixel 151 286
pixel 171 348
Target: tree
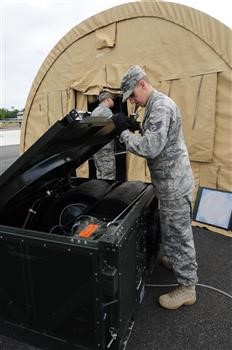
pixel 5 113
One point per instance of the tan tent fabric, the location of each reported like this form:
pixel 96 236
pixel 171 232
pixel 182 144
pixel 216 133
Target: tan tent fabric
pixel 105 37
pixel 94 77
pixel 57 104
pixel 186 53
pixel 196 96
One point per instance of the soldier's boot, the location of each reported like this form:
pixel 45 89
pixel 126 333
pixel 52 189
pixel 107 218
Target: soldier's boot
pixel 182 295
pixel 166 262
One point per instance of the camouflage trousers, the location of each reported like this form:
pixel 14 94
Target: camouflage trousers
pixel 105 162
pixel 177 238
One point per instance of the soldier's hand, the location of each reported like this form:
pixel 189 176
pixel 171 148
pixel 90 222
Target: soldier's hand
pixel 121 122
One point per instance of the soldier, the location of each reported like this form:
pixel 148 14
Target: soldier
pixel 104 159
pixel 161 142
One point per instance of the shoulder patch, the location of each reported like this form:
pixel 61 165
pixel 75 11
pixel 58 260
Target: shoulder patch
pixel 156 126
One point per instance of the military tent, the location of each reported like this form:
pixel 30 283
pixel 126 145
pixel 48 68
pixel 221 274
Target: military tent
pixel 186 53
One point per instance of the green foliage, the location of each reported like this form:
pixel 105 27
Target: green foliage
pixel 6 113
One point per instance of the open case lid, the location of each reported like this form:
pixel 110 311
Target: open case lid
pixel 63 148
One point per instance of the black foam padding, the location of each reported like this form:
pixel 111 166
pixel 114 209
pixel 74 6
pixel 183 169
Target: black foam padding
pixel 119 198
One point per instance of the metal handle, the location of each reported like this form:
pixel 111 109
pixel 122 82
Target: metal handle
pixel 113 336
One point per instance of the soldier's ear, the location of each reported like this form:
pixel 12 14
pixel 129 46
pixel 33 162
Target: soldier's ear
pixel 142 83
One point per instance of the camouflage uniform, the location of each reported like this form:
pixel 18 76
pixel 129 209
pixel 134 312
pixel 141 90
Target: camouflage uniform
pixel 162 144
pixel 104 159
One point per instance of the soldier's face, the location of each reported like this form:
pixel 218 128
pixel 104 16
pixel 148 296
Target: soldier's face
pixel 110 102
pixel 139 95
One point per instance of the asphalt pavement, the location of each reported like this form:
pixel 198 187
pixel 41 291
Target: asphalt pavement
pixel 8 155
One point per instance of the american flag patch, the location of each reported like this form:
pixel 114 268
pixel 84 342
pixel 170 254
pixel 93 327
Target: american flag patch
pixel 156 126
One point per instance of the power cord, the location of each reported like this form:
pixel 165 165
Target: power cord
pixel 198 284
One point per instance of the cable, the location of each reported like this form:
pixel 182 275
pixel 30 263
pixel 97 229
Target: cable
pixel 161 285
pixel 198 284
pixel 217 290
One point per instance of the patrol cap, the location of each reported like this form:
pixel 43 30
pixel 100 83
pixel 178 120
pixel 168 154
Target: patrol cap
pixel 105 94
pixel 130 79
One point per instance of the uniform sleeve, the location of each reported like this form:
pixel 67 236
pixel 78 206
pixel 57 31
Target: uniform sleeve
pixel 150 144
pixel 102 111
pixel 107 113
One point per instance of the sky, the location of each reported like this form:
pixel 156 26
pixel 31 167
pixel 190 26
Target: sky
pixel 29 29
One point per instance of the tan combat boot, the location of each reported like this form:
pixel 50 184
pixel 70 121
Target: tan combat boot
pixel 166 262
pixel 182 295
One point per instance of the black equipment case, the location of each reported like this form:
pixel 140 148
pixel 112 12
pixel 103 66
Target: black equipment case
pixel 74 252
